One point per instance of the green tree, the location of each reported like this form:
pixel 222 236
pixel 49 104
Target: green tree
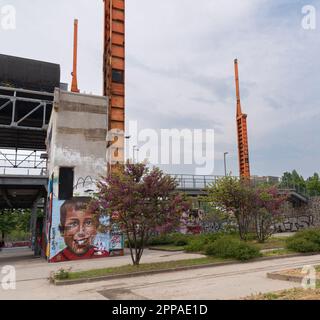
pixel 293 180
pixel 8 222
pixel 234 197
pixel 313 185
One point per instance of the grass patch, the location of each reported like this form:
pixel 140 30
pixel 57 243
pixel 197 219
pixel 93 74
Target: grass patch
pixel 271 243
pixel 277 252
pixel 292 294
pixel 128 269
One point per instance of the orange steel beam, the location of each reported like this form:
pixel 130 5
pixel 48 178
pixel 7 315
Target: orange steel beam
pixel 243 145
pixel 114 77
pixel 74 85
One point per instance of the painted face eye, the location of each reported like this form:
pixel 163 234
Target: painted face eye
pixel 72 224
pixel 88 223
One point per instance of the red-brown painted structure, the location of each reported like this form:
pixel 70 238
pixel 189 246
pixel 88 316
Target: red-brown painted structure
pixel 114 77
pixel 243 145
pixel 74 85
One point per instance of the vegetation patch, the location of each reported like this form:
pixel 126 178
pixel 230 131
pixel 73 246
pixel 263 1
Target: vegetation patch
pixel 292 294
pixel 230 248
pixel 304 241
pixel 130 269
pixel 277 252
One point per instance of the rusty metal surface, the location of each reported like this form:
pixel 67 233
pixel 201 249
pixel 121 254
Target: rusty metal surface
pixel 74 84
pixel 114 73
pixel 243 145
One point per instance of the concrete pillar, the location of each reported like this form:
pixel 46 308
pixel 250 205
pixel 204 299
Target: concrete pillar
pixel 33 223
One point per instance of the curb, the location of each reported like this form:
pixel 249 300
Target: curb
pixel 165 250
pixel 284 277
pixel 152 272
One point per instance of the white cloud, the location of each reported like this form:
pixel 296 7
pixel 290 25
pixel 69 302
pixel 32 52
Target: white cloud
pixel 180 64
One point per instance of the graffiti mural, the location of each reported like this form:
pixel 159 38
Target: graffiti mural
pixel 76 232
pixel 197 221
pixel 292 224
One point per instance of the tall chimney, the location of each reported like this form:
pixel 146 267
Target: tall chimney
pixel 74 85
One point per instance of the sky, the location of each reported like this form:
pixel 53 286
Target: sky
pixel 179 70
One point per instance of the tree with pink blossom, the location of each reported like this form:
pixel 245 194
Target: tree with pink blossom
pixel 140 201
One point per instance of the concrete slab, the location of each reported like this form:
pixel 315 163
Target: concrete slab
pixel 225 282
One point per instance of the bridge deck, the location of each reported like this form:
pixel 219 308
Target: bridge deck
pixel 21 191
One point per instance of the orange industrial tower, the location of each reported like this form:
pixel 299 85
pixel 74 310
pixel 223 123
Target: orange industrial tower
pixel 243 146
pixel 114 78
pixel 74 84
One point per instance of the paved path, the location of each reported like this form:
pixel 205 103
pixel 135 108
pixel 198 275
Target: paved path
pixel 226 282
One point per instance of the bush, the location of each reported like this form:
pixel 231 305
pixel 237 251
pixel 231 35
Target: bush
pixel 180 239
pixel 230 248
pixel 177 239
pixel 198 243
pixel 304 241
pixel 160 240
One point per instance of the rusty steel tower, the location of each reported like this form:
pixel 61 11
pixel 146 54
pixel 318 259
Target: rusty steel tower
pixel 74 84
pixel 243 146
pixel 114 78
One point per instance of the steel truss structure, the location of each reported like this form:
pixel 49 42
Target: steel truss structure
pixel 23 159
pixel 25 109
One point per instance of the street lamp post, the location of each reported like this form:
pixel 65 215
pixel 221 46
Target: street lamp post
pixel 127 138
pixel 134 149
pixel 225 162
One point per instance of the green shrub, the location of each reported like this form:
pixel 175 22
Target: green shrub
pixel 177 239
pixel 160 240
pixel 304 241
pixel 180 239
pixel 199 242
pixel 246 252
pixel 196 245
pixel 231 248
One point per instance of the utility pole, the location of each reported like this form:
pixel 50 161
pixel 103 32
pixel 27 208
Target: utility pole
pixel 134 149
pixel 225 163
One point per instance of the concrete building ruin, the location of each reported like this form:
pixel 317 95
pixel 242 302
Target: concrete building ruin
pixel 53 149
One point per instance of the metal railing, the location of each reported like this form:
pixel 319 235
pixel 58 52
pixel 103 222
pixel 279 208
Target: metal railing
pixel 23 162
pixel 197 182
pixel 186 182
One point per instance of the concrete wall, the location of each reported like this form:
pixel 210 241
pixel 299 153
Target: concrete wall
pixel 77 136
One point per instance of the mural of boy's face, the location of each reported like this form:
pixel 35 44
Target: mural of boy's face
pixel 80 230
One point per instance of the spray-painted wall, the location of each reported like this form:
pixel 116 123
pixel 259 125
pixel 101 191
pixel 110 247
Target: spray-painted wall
pixel 299 217
pixel 77 140
pixel 292 218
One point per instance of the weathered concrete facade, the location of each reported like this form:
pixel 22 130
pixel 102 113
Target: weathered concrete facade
pixel 77 136
pixel 77 158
